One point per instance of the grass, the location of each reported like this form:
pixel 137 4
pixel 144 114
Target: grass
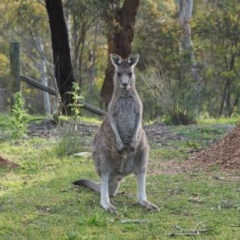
pixel 185 139
pixel 38 200
pixel 221 120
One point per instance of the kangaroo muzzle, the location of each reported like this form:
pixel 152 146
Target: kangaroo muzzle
pixel 125 82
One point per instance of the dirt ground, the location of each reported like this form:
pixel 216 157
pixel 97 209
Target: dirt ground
pixel 224 153
pixel 5 163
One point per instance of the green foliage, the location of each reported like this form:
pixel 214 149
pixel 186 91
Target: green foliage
pixel 178 118
pixel 70 141
pixel 235 119
pixel 19 114
pixel 215 34
pixel 218 35
pixel 169 87
pixel 31 15
pixel 172 92
pixel 4 63
pixel 76 97
pixel 95 219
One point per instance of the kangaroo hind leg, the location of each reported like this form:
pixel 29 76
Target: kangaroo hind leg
pixel 105 200
pixel 142 198
pixel 140 166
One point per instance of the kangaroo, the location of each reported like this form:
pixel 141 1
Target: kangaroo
pixel 120 147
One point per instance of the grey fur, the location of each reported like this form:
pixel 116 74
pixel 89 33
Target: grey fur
pixel 120 147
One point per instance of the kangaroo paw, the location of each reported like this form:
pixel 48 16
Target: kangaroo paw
pixel 120 146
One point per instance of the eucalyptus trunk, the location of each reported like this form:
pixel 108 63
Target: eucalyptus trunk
pixel 120 37
pixel 185 15
pixel 189 65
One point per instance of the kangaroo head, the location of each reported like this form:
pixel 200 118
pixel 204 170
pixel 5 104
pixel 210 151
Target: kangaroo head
pixel 124 76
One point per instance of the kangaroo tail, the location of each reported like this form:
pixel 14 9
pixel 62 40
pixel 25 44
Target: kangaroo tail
pixel 94 186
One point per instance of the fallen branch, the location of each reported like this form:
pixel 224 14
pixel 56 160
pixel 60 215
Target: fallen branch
pixel 187 232
pixel 138 221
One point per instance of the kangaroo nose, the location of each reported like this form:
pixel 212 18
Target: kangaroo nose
pixel 125 84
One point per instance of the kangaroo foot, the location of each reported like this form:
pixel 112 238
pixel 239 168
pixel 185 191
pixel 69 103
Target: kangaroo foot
pixel 149 206
pixel 109 207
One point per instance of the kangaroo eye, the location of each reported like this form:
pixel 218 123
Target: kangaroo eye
pixel 129 74
pixel 118 74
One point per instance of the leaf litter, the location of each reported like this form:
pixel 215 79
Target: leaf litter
pixel 225 153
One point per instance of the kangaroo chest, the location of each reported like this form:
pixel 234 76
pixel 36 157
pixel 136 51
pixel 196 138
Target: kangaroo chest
pixel 126 118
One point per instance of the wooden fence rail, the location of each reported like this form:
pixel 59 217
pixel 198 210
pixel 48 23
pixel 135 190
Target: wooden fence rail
pixel 51 91
pixel 38 85
pixel 16 79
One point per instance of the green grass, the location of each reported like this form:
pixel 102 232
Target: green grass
pixel 38 200
pixel 221 120
pixel 185 139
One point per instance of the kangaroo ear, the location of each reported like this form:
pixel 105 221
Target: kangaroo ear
pixel 133 59
pixel 116 59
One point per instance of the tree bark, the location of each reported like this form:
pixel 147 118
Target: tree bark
pixel 185 15
pixel 61 51
pixel 44 80
pixel 120 37
pixel 186 48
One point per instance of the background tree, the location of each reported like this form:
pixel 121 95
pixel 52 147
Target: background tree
pixel 24 21
pixel 218 33
pixel 83 19
pixel 61 51
pixel 94 25
pixel 166 72
pixel 185 15
pixel 120 19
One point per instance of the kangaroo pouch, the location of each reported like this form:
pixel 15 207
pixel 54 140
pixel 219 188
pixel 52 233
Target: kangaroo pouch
pixel 126 119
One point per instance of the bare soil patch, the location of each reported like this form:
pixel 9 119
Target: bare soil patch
pixel 49 128
pixel 5 163
pixel 173 166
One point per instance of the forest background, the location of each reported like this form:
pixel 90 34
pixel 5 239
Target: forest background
pixel 165 78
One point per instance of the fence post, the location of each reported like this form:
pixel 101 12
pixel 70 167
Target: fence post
pixel 15 67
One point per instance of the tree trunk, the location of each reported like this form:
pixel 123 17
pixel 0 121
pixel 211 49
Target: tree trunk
pixel 120 37
pixel 185 14
pixel 44 80
pixel 189 65
pixel 61 51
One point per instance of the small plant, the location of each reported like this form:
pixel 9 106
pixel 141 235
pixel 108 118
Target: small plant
pixel 71 235
pixel 76 97
pixel 19 120
pixel 70 141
